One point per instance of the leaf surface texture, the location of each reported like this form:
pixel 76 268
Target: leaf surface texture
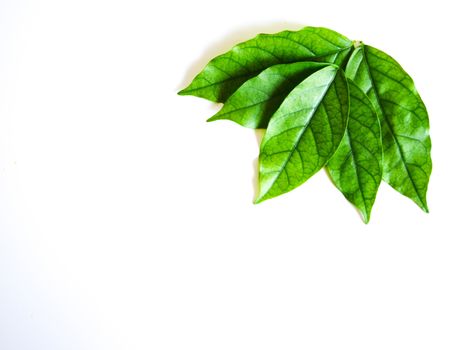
pixel 253 104
pixel 225 73
pixel 304 132
pixel 356 167
pixel 403 118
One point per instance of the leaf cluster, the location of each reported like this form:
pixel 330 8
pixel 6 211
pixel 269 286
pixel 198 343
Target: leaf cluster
pixel 325 101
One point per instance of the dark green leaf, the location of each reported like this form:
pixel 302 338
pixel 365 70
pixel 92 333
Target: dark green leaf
pixel 356 166
pixel 304 132
pixel 225 73
pixel 403 117
pixel 253 104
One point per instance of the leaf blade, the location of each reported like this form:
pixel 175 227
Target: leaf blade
pixel 226 72
pixel 303 133
pixel 403 118
pixel 253 104
pixel 356 167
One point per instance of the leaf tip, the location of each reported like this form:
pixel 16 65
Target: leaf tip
pixel 257 201
pixel 213 118
pixel 183 92
pixel 365 216
pixel 260 198
pixel 423 204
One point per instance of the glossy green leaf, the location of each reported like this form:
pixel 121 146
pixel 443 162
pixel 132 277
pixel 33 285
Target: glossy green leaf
pixel 225 73
pixel 253 104
pixel 304 132
pixel 403 117
pixel 356 167
pixel 365 125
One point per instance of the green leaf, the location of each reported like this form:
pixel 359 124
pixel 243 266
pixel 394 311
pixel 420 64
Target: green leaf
pixel 365 125
pixel 304 132
pixel 403 117
pixel 356 166
pixel 225 73
pixel 253 104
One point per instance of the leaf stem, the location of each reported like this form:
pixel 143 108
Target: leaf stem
pixel 357 43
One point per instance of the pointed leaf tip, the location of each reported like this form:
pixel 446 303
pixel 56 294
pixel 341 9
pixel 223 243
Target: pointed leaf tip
pixel 425 209
pixel 182 92
pixel 259 199
pixel 365 218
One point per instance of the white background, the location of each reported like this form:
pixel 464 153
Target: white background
pixel 126 221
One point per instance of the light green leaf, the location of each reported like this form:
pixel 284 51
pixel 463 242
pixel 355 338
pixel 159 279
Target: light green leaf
pixel 403 117
pixel 253 104
pixel 304 132
pixel 356 166
pixel 225 73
